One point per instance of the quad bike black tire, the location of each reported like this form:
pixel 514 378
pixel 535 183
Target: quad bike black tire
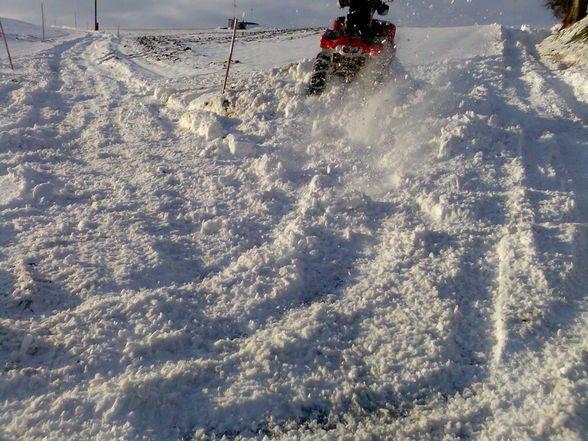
pixel 320 73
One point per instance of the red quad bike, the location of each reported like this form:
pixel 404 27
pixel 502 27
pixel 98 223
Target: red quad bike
pixel 343 55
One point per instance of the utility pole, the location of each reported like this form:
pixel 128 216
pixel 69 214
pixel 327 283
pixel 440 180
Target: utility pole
pixel 43 20
pixel 96 27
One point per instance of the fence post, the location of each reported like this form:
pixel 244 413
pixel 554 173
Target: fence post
pixel 235 21
pixel 6 44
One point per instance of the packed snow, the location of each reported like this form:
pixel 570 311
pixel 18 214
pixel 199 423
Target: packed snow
pixel 400 262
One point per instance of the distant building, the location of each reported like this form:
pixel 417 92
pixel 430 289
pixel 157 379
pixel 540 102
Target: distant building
pixel 240 24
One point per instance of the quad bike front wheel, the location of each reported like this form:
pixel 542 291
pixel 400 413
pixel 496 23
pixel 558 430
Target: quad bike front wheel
pixel 320 73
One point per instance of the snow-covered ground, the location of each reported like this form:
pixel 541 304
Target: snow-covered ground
pixel 401 263
pixel 568 50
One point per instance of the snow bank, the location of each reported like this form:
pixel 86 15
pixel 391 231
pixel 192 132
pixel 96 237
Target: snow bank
pixel 569 45
pixel 568 50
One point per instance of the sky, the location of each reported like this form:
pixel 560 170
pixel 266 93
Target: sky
pixel 271 13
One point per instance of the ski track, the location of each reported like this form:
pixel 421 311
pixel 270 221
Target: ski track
pixel 364 270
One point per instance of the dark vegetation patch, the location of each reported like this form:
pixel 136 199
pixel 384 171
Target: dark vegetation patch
pixel 581 36
pixel 170 47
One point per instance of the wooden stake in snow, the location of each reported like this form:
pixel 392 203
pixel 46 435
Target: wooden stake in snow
pixel 6 44
pixel 235 21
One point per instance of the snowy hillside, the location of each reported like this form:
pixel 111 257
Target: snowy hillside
pixel 26 38
pixel 470 12
pixel 407 262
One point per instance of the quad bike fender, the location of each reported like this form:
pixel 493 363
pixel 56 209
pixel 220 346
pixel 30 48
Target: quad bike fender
pixel 335 38
pixel 389 32
pixel 350 45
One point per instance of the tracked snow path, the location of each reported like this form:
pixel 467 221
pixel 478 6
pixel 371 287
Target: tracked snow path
pixel 545 221
pixel 406 263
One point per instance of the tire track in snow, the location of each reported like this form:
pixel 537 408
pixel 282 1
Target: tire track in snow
pixel 488 315
pixel 416 258
pixel 453 189
pixel 90 144
pixel 542 250
pixel 36 100
pixel 30 148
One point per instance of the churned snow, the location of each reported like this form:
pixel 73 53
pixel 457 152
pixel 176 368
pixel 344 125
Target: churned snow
pixel 404 262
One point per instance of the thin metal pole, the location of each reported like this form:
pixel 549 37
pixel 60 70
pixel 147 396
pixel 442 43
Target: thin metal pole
pixel 230 54
pixel 96 27
pixel 6 44
pixel 43 20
